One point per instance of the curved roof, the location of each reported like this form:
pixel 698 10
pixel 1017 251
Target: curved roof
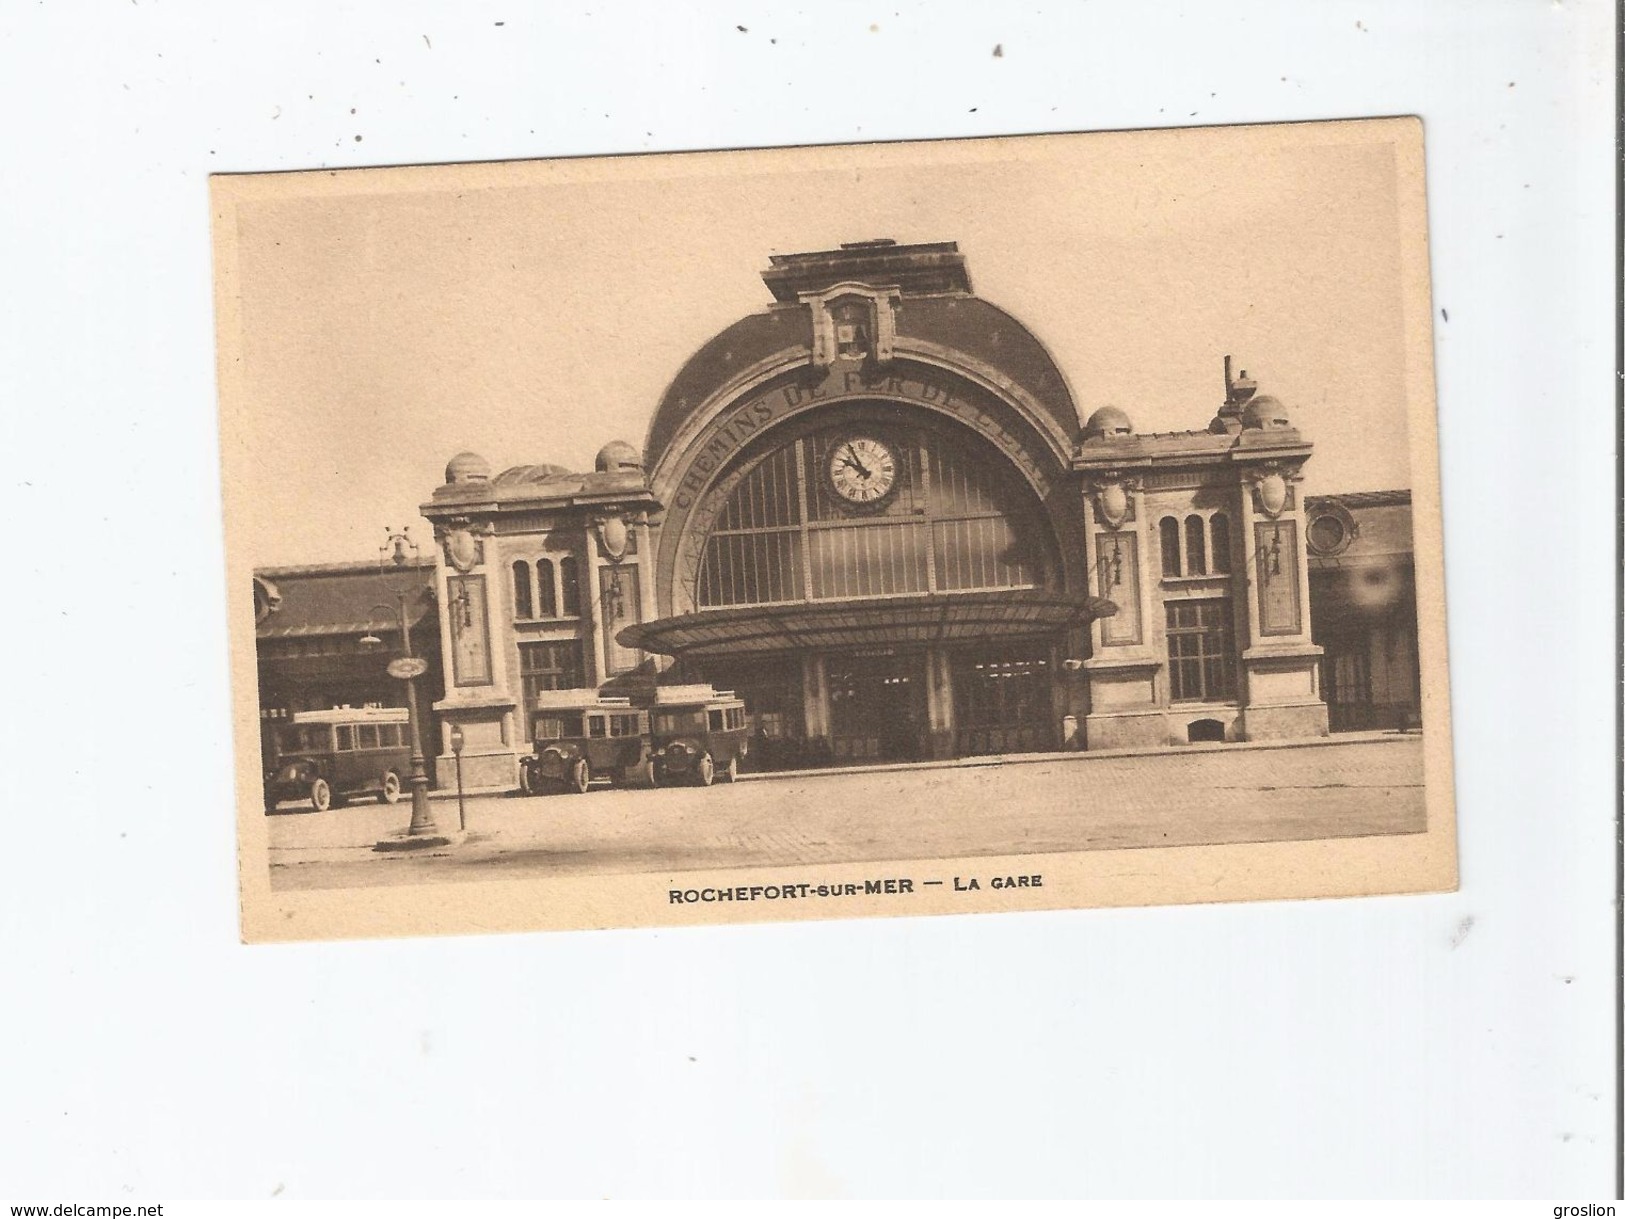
pixel 748 341
pixel 964 324
pixel 923 618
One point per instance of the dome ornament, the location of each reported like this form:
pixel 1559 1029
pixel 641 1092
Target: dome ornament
pixel 616 456
pixel 1108 424
pixel 468 467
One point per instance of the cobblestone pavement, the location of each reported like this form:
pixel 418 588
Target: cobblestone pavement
pixel 1071 803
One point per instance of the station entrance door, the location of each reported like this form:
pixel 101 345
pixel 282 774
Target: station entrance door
pixel 877 709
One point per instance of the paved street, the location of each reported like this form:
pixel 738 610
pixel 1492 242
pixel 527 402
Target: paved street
pixel 1073 803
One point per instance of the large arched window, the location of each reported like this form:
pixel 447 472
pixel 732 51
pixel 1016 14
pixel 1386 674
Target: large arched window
pixel 871 510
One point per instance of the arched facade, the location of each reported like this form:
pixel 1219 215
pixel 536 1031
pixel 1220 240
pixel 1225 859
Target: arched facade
pixel 872 510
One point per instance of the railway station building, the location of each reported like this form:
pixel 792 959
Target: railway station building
pixel 875 510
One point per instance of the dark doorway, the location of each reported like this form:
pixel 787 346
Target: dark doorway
pixel 1003 699
pixel 771 688
pixel 876 706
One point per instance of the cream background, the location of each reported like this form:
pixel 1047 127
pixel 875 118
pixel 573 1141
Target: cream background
pixel 535 312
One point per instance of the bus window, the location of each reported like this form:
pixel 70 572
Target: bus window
pixel 346 735
pixel 366 736
pixel 596 726
pixel 715 721
pixel 554 727
pixel 307 738
pixel 671 723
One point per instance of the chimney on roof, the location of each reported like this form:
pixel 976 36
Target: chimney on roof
pixel 1238 391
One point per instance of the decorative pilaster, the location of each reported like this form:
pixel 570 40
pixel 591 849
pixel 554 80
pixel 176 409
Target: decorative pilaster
pixel 1280 664
pixel 1121 670
pixel 480 698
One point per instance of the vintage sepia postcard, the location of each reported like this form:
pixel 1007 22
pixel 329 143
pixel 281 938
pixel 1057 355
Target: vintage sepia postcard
pixel 981 525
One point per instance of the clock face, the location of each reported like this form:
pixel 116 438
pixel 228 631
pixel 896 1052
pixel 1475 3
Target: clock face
pixel 863 470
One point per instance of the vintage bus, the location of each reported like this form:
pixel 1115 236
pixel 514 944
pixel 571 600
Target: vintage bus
pixel 326 757
pixel 701 734
pixel 579 737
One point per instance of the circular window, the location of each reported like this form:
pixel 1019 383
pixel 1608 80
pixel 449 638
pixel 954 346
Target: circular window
pixel 1327 533
pixel 1331 530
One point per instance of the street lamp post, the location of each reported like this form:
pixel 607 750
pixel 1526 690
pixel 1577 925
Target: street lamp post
pixel 457 752
pixel 401 550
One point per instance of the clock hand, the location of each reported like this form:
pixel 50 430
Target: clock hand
pixel 856 464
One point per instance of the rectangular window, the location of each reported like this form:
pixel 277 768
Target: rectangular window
pixel 868 560
pixel 549 666
pixel 752 568
pixel 1201 652
pixel 367 736
pixel 346 736
pixel 596 727
pixel 674 723
pixel 549 726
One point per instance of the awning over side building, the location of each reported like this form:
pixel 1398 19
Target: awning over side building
pixel 342 599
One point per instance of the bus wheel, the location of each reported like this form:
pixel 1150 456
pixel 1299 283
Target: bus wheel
pixel 580 776
pixel 731 771
pixel 706 771
pixel 654 774
pixel 527 786
pixel 392 788
pixel 321 796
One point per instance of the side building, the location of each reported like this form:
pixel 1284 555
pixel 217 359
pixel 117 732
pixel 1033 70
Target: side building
pixel 1362 590
pixel 325 633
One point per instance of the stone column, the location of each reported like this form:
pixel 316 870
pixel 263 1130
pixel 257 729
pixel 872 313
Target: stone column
pixel 815 702
pixel 939 704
